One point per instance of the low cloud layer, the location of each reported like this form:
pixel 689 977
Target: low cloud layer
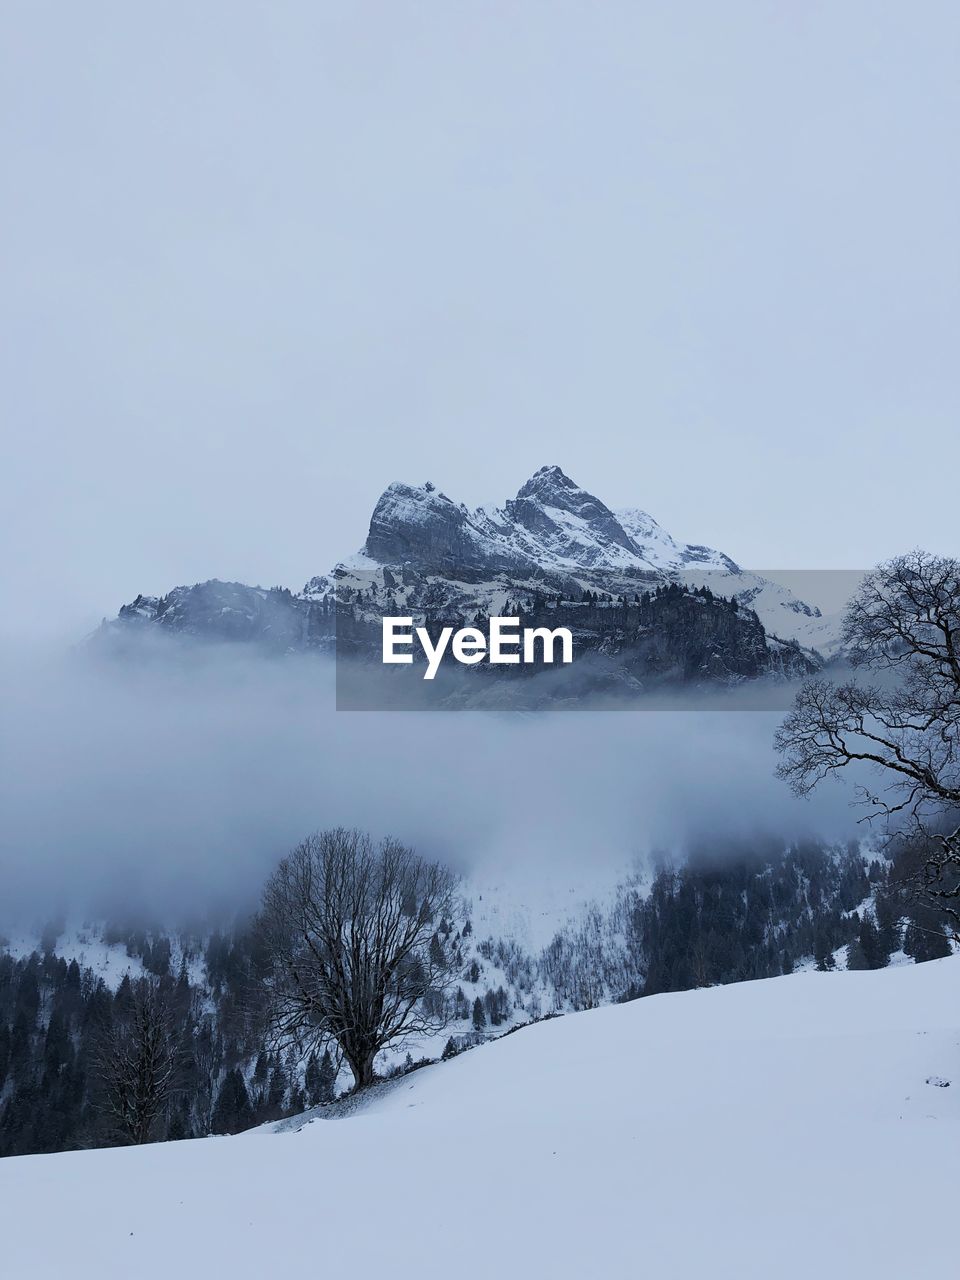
pixel 173 785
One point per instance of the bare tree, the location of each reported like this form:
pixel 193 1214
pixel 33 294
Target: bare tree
pixel 137 1065
pixel 903 626
pixel 347 927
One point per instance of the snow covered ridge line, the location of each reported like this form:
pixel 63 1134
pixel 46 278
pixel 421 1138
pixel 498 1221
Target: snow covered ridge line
pixel 643 609
pixel 504 645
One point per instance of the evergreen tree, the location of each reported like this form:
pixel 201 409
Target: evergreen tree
pixel 4 1053
pixel 328 1078
pixel 479 1017
pixel 871 945
pixel 262 1069
pixel 278 1088
pixel 320 1079
pixel 232 1111
pixel 926 942
pixel 823 948
pixel 311 1080
pixel 888 928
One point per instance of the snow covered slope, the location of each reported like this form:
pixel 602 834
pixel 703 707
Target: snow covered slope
pixel 551 526
pixel 514 901
pixel 84 943
pixel 798 1127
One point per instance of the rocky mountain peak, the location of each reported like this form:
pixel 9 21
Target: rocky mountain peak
pixel 553 537
pixel 419 524
pixel 551 525
pixel 547 482
pixel 549 496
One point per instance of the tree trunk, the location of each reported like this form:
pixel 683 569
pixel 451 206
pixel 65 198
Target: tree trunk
pixel 362 1067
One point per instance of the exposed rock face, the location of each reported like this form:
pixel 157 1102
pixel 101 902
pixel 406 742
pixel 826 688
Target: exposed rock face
pixel 549 496
pixel 424 527
pixel 230 612
pixel 551 525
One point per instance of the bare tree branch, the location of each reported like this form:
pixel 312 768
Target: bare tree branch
pixel 903 624
pixel 350 931
pixel 137 1065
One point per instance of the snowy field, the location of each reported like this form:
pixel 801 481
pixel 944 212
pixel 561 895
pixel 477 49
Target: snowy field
pixel 798 1127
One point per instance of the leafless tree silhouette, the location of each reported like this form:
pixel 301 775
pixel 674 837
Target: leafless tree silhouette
pixel 350 930
pixel 137 1064
pixel 903 625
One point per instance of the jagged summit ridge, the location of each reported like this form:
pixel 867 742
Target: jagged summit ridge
pixel 551 503
pixel 426 553
pixel 551 524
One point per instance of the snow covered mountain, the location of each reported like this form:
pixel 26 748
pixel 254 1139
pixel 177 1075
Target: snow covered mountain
pixel 555 529
pixel 553 548
pixel 551 526
pixel 684 1135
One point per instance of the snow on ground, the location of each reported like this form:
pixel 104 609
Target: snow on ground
pixel 510 902
pixel 512 899
pixel 83 943
pixel 791 1128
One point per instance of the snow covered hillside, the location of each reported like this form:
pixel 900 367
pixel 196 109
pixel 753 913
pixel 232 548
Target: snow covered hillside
pixel 795 1127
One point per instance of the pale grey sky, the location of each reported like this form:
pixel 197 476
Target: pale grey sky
pixel 261 259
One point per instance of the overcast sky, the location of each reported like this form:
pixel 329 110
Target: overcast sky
pixel 262 259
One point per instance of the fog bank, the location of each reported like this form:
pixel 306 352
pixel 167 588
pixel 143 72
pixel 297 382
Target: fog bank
pixel 173 785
